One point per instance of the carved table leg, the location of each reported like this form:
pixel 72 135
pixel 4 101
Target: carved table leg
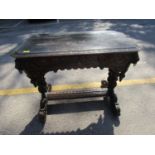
pixel 112 98
pixel 38 80
pixel 42 87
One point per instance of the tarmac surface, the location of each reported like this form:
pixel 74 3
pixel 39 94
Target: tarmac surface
pixel 18 113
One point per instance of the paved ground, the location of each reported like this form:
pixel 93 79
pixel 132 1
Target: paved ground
pixel 18 112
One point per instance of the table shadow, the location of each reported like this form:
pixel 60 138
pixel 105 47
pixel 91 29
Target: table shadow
pixel 104 125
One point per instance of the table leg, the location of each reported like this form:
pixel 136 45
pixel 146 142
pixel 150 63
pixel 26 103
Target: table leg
pixel 38 80
pixel 42 87
pixel 112 98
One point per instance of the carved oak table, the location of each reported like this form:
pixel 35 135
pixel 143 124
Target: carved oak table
pixel 104 49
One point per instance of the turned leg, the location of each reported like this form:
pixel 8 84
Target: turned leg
pixel 42 87
pixel 112 83
pixel 38 80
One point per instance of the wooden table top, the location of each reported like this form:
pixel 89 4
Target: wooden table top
pixel 78 43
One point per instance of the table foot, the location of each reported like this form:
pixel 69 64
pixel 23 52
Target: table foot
pixel 42 116
pixel 115 109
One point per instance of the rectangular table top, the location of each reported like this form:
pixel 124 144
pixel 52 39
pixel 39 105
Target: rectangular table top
pixel 78 43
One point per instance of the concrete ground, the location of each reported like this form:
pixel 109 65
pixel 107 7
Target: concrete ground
pixel 18 113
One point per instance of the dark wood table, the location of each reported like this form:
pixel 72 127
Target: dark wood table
pixel 104 49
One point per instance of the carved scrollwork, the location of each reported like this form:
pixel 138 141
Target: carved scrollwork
pixel 37 67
